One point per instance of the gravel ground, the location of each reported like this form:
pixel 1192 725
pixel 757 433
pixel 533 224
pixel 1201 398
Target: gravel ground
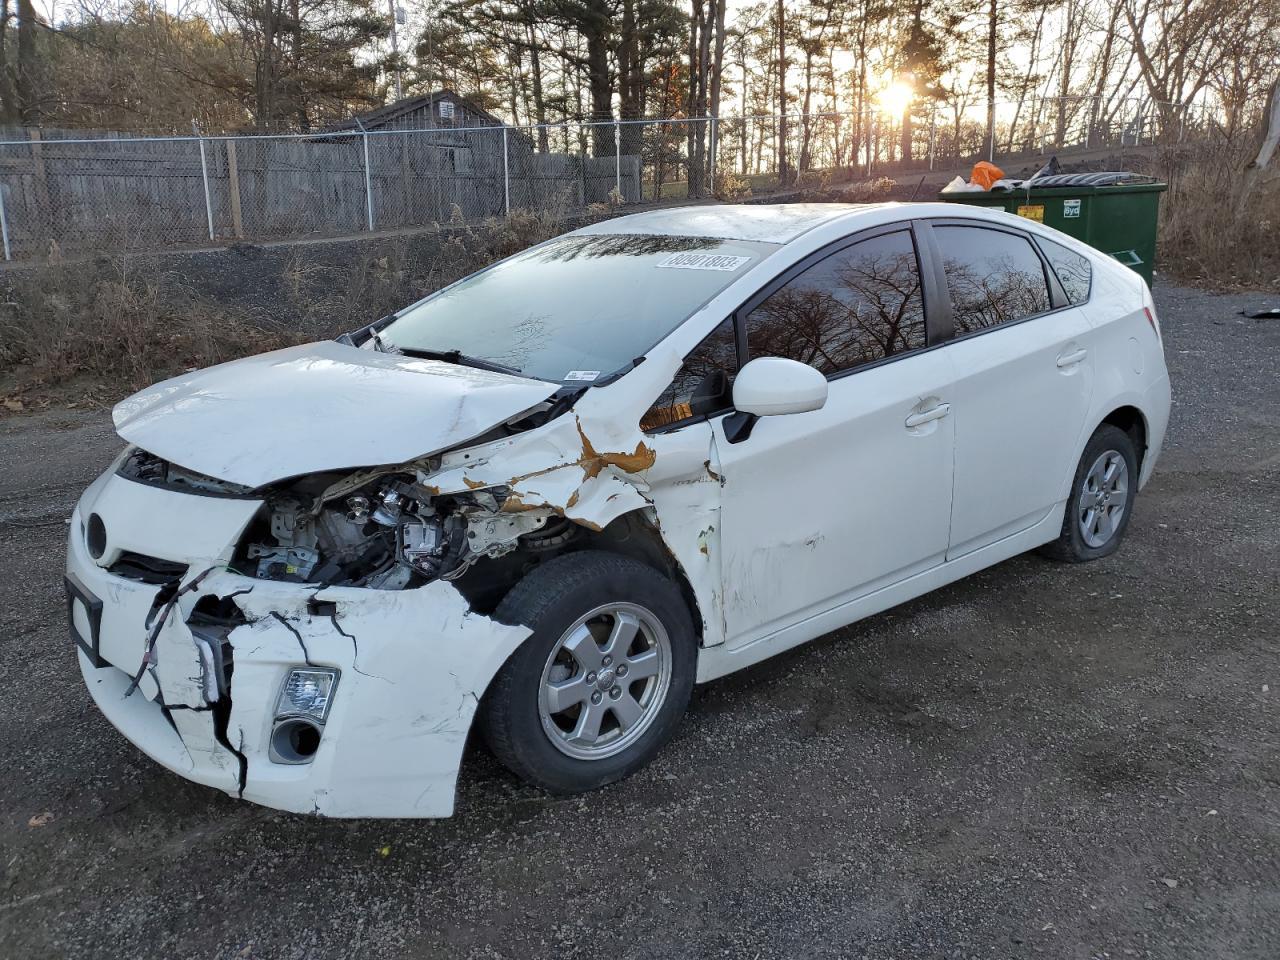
pixel 1076 762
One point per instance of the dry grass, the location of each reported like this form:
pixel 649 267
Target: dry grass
pixel 97 330
pixel 93 330
pixel 1203 241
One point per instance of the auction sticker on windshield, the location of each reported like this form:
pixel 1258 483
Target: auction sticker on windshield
pixel 703 261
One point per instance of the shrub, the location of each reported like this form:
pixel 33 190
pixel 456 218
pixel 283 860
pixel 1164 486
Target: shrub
pixel 100 323
pixel 730 187
pixel 106 327
pixel 1203 240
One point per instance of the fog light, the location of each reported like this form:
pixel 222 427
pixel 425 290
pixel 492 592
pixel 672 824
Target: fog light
pixel 307 693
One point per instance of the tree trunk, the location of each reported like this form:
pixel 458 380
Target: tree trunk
pixel 28 67
pixel 805 127
pixel 717 69
pixel 784 174
pixel 597 29
pixel 295 37
pixel 992 21
pixel 1261 168
pixel 539 101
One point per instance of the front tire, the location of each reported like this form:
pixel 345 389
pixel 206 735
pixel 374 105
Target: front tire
pixel 603 681
pixel 1101 500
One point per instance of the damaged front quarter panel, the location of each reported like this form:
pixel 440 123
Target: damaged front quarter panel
pixel 594 465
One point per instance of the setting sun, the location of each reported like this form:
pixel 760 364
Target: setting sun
pixel 895 98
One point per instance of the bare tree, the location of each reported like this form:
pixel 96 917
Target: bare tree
pixel 1260 169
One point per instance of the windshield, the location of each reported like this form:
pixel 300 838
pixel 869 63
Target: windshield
pixel 576 309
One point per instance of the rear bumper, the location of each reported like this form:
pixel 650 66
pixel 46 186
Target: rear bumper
pixel 413 665
pixel 1156 403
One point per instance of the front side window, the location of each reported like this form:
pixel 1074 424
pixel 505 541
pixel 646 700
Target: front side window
pixel 1074 271
pixel 993 277
pixel 857 306
pixel 704 383
pixel 576 309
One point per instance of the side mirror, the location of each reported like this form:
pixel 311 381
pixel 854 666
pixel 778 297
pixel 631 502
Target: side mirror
pixel 771 386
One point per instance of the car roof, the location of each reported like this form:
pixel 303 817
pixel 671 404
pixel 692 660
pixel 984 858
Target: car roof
pixel 767 223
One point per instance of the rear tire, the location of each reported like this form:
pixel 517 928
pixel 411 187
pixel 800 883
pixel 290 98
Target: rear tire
pixel 1101 500
pixel 601 684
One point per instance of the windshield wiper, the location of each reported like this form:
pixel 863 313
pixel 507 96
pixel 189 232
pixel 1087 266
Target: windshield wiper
pixel 460 358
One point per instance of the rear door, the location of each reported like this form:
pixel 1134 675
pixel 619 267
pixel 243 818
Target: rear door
pixel 1023 380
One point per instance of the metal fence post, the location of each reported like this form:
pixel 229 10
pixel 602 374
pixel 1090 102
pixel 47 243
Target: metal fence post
pixel 204 176
pixel 4 225
pixel 617 158
pixel 711 171
pixel 506 174
pixel 368 181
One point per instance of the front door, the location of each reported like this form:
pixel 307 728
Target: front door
pixel 820 508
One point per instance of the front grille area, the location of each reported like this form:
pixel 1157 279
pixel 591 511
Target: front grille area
pixel 144 569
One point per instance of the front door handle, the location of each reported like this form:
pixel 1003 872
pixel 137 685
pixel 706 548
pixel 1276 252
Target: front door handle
pixel 1071 359
pixel 925 416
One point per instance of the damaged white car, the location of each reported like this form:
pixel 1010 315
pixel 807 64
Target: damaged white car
pixel 552 497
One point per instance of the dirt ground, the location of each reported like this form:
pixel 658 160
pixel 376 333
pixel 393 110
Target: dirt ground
pixel 1040 760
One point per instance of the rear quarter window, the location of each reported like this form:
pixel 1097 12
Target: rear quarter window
pixel 1074 270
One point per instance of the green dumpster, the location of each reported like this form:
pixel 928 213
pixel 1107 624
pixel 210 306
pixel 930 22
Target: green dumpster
pixel 1112 212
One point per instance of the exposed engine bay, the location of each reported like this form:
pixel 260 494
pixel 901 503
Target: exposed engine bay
pixel 388 535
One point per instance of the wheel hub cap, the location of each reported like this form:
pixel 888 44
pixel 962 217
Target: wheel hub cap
pixel 605 681
pixel 1103 499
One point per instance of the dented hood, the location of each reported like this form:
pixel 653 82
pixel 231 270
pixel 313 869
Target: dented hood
pixel 321 406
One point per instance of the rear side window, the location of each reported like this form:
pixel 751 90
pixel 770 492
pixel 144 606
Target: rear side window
pixel 855 307
pixel 993 277
pixel 1074 271
pixel 703 384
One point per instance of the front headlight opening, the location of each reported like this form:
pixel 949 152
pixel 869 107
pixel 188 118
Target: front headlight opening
pixel 307 693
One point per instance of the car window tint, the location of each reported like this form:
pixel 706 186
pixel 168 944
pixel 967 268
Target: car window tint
pixel 857 306
pixel 992 277
pixel 703 384
pixel 1074 271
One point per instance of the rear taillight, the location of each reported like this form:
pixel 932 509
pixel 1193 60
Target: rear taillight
pixel 1151 319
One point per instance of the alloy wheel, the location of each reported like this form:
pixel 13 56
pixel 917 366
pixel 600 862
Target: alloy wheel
pixel 605 681
pixel 1103 499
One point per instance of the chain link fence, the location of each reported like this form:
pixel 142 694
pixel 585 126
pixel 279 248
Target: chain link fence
pixel 72 192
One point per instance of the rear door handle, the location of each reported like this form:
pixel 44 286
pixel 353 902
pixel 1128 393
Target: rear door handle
pixel 925 416
pixel 1071 359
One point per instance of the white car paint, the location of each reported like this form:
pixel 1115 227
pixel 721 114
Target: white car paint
pixel 839 456
pixel 766 569
pixel 239 421
pixel 1021 397
pixel 773 386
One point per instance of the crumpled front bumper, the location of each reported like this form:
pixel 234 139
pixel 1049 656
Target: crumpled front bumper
pixel 412 664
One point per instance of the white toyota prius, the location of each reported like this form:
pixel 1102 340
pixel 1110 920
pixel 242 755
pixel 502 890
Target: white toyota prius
pixel 547 500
